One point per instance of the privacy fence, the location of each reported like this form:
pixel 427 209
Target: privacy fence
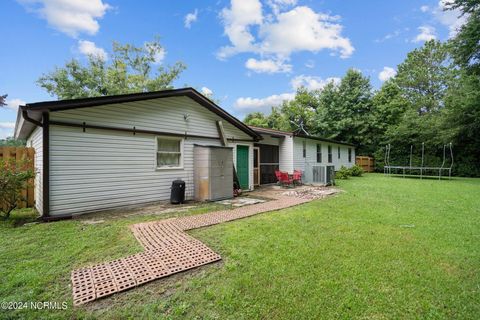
pixel 19 154
pixel 367 163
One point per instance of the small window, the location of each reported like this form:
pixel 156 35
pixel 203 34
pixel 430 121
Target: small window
pixel 349 154
pixel 330 156
pixel 319 152
pixel 338 152
pixel 304 145
pixel 169 152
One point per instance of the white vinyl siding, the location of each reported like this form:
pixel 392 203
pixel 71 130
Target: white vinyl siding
pixel 35 141
pixel 301 163
pixel 103 169
pixel 180 115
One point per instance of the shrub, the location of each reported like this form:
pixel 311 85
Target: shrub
pixel 356 171
pixel 14 177
pixel 343 173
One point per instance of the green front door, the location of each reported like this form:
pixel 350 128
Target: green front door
pixel 242 166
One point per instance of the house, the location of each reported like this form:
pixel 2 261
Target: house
pixel 100 153
pixel 287 151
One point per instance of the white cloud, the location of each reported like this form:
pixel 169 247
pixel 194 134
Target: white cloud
pixel 268 66
pixel 256 104
pixel 386 73
pixel 6 129
pixel 237 21
pixel 89 48
pixel 14 103
pixel 302 29
pixel 190 18
pixel 206 91
pixel 276 35
pixel 426 33
pixel 160 55
pixel 310 64
pixel 311 82
pixel 264 104
pixel 452 19
pixel 71 17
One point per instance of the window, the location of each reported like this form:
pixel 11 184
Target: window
pixel 339 152
pixel 304 145
pixel 349 154
pixel 319 152
pixel 169 152
pixel 330 156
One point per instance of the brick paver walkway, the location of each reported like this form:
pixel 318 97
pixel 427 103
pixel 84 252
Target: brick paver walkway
pixel 168 250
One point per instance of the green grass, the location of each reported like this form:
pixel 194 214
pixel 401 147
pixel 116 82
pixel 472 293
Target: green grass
pixel 385 248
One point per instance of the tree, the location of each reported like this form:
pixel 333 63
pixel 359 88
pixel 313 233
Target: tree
pixel 344 110
pixel 298 113
pixel 257 119
pixel 424 76
pixel 461 123
pixel 11 142
pixel 130 69
pixel 465 46
pixel 3 100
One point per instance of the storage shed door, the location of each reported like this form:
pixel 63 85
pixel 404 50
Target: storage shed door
pixel 242 166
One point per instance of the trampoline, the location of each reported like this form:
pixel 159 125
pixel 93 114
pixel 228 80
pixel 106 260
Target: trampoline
pixel 415 170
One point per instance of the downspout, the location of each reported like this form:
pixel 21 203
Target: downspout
pixel 45 158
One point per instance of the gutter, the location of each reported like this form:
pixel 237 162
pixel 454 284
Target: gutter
pixel 45 125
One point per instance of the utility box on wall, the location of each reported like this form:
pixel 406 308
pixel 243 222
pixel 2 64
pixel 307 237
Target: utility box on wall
pixel 213 172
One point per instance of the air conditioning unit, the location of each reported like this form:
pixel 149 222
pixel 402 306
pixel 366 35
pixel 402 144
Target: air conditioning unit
pixel 323 175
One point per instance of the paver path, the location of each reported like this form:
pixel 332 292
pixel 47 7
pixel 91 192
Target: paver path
pixel 168 250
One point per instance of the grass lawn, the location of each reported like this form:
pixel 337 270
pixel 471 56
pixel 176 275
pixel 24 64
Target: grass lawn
pixel 386 248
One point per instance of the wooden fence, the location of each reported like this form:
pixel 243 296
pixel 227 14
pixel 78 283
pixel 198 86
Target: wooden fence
pixel 22 153
pixel 367 163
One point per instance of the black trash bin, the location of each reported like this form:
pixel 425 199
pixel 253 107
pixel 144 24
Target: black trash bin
pixel 178 192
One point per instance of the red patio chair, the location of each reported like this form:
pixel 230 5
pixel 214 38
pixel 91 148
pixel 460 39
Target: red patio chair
pixel 285 179
pixel 297 177
pixel 278 175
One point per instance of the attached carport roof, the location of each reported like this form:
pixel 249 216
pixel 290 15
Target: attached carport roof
pixel 24 128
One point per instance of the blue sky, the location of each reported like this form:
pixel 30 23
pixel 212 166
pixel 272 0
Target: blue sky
pixel 251 54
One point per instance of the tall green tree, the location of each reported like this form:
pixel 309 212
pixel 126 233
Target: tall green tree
pixel 424 76
pixel 465 46
pixel 461 123
pixel 129 69
pixel 257 119
pixel 344 110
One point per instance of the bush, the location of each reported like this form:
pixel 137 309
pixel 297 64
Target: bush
pixel 14 177
pixel 343 173
pixel 356 171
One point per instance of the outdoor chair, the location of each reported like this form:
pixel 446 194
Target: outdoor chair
pixel 297 177
pixel 285 179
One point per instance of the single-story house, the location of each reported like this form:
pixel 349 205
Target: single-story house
pixel 289 151
pixel 104 152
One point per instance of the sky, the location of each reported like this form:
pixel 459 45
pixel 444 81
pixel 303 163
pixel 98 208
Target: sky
pixel 248 54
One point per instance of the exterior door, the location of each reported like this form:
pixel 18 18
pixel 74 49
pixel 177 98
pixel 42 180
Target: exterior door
pixel 269 162
pixel 242 166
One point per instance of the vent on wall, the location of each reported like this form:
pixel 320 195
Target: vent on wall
pixel 323 174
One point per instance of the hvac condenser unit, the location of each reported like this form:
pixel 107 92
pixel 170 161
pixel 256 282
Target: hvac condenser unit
pixel 323 175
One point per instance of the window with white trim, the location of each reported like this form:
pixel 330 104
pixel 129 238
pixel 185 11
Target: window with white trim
pixel 349 154
pixel 330 155
pixel 338 152
pixel 169 152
